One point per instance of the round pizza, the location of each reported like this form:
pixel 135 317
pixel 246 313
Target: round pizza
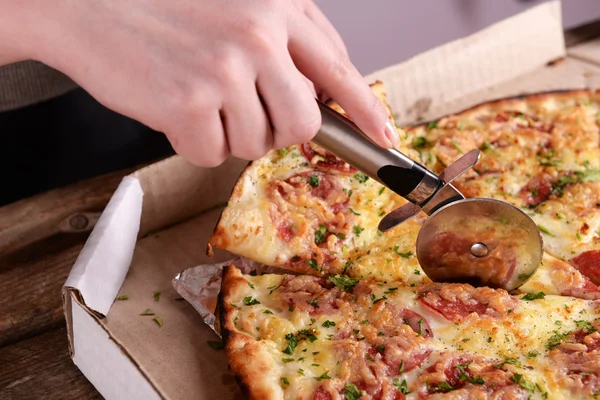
pixel 353 316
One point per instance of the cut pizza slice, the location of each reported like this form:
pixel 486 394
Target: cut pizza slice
pixel 307 337
pixel 303 209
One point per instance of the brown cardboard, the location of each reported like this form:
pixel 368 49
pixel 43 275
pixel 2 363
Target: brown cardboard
pixel 508 59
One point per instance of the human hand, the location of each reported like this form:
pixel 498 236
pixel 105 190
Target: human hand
pixel 218 77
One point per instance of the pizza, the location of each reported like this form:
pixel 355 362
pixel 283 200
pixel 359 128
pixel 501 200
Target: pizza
pixel 354 316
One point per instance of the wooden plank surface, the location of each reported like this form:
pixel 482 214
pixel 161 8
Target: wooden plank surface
pixel 40 239
pixel 40 368
pixel 33 303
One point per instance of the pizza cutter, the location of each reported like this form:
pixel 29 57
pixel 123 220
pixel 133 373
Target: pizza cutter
pixel 480 241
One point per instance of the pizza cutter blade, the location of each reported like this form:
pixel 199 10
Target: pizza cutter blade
pixel 483 242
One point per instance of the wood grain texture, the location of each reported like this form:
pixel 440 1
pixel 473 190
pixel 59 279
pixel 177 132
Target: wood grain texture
pixel 32 302
pixel 40 368
pixel 72 209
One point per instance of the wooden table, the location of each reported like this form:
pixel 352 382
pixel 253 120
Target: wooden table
pixel 40 238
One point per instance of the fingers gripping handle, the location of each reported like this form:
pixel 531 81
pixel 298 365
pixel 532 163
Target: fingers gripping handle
pixel 391 168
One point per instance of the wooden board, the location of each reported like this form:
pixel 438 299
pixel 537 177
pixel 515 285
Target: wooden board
pixel 40 368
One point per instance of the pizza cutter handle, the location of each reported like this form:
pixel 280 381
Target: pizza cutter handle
pixel 391 168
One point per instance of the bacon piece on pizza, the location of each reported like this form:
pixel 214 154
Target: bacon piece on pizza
pixel 457 301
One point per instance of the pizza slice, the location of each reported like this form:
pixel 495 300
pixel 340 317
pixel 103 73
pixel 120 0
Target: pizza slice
pixel 307 337
pixel 538 152
pixel 303 209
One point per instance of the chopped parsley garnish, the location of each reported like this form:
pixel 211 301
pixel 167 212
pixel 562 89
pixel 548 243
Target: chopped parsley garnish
pixel 251 285
pixel 123 297
pixel 476 380
pixel 421 322
pixel 364 322
pixel 362 178
pixel 431 125
pixel 381 190
pixel 375 301
pixel 419 142
pixel 274 288
pixel 532 354
pixel 351 392
pixel 328 324
pixel 292 344
pixel 534 296
pixel 590 175
pixel 323 376
pixel 303 334
pixel 217 345
pixel 147 312
pixel 313 180
pixel 287 360
pixel 268 312
pixel 158 320
pixel 343 281
pixel 357 230
pixel 559 185
pixel 456 146
pixel 555 340
pixel 156 296
pixel 525 384
pixel 250 301
pixel 320 234
pixel 353 212
pixel 313 264
pixel 285 380
pixel 403 255
pixel 440 387
pixel 417 272
pixel 401 368
pixel 545 230
pixel 300 371
pixel 585 325
pixel 283 152
pixel 485 146
pixel 401 386
pixel 511 360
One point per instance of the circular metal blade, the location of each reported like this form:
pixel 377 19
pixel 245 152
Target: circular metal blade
pixel 483 242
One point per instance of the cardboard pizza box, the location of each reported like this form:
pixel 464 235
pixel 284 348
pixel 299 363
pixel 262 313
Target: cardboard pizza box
pixel 159 219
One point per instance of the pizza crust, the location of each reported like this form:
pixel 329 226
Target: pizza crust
pixel 252 377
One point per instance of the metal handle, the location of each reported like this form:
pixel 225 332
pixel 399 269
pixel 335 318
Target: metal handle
pixel 391 168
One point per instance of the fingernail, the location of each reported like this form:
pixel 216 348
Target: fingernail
pixel 391 133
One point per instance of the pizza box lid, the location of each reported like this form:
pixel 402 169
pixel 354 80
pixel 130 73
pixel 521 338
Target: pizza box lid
pixel 158 221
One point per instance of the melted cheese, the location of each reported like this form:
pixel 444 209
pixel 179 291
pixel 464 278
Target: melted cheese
pixel 518 341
